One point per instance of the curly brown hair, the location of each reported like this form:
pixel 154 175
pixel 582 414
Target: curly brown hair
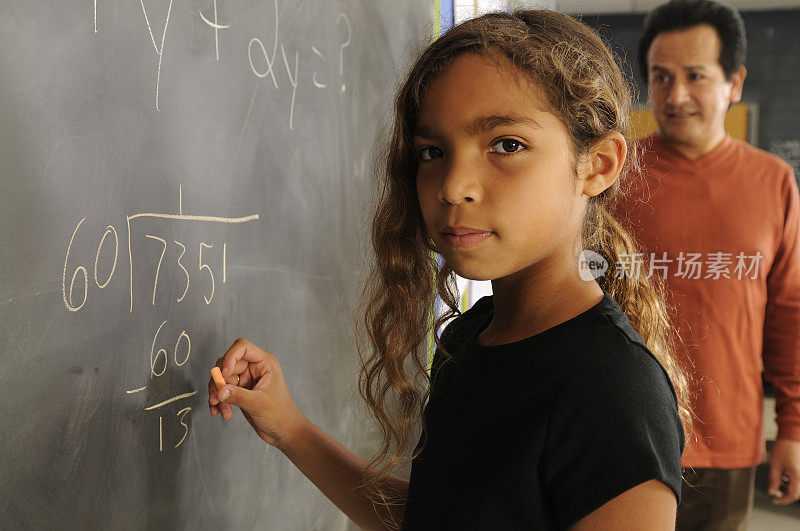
pixel 587 90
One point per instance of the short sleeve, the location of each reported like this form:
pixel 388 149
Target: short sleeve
pixel 615 425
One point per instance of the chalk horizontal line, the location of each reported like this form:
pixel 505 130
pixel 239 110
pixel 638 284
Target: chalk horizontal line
pixel 169 400
pixel 136 390
pixel 188 217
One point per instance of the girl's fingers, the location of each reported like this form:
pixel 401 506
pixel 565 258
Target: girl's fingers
pixel 245 380
pixel 240 367
pixel 236 365
pixel 241 350
pixel 212 393
pixel 238 351
pixel 212 398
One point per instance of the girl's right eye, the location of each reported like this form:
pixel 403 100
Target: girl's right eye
pixel 430 153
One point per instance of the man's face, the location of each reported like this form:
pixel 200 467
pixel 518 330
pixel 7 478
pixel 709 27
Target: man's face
pixel 688 89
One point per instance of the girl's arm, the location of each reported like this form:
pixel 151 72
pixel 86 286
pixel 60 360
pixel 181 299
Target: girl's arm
pixel 650 505
pixel 337 472
pixel 256 385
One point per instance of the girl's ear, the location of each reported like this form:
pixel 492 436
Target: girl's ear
pixel 605 163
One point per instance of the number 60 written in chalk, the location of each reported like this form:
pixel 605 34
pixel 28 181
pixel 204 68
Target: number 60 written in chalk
pixel 156 356
pixel 68 302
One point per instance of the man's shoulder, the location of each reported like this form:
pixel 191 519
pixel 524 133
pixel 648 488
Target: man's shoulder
pixel 764 159
pixel 751 156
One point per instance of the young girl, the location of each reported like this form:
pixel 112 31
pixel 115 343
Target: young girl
pixel 551 404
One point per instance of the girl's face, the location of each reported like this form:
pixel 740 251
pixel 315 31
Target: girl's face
pixel 496 181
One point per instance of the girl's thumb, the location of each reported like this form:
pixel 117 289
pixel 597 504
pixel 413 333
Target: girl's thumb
pixel 234 395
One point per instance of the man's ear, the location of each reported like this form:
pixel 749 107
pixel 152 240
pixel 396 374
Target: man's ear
pixel 606 159
pixel 737 84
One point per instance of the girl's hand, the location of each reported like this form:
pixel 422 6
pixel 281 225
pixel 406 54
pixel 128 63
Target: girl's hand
pixel 255 383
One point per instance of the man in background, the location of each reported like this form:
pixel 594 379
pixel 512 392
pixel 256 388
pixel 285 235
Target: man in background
pixel 718 220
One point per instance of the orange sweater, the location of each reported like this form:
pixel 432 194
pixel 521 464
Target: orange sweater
pixel 723 232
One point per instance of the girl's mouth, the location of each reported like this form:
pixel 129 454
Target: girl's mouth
pixel 465 237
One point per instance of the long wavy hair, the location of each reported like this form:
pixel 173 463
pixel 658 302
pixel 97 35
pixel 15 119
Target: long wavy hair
pixel 587 90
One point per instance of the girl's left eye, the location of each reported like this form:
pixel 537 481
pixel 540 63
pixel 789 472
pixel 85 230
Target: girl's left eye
pixel 507 146
pixel 429 153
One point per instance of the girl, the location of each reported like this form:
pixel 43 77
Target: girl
pixel 556 402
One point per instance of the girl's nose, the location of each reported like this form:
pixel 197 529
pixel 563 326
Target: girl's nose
pixel 460 183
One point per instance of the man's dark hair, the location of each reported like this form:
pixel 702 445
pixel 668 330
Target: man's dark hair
pixel 684 14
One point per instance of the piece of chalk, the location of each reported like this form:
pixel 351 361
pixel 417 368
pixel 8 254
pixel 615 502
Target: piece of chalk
pixel 219 381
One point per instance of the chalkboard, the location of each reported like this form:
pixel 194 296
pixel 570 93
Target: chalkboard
pixel 175 174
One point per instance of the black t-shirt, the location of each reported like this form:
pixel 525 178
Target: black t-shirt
pixel 538 433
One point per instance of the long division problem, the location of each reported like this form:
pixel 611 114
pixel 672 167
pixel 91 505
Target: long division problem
pixel 159 360
pixel 191 266
pixel 74 303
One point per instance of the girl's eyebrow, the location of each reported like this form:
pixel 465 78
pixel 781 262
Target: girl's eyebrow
pixel 481 124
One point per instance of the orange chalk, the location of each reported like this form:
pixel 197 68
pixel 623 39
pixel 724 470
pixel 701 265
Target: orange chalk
pixel 219 381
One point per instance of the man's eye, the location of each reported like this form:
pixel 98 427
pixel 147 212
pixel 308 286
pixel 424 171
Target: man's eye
pixel 430 153
pixel 507 146
pixel 695 77
pixel 660 79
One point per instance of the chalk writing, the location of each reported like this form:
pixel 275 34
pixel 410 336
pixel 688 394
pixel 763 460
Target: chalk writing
pixel 68 300
pixel 159 51
pixel 343 17
pixel 161 352
pixel 109 230
pixel 160 259
pixel 314 75
pixel 261 60
pixel 184 217
pixel 216 25
pixel 293 81
pixel 202 266
pixel 68 290
pixel 149 232
pixel 185 272
pixel 158 366
pixel 170 400
pixel 182 413
pixel 105 266
pixel 270 59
